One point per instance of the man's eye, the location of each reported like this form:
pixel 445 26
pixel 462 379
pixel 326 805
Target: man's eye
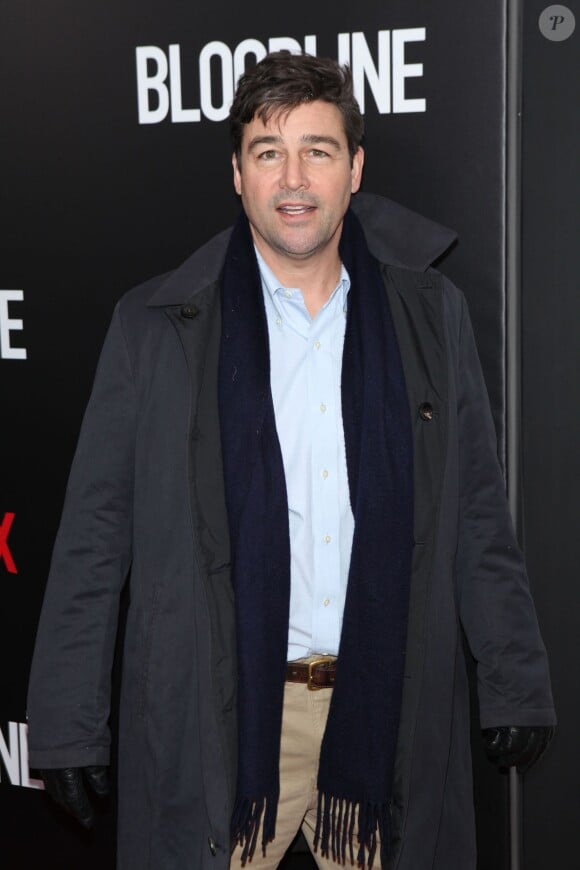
pixel 267 155
pixel 317 152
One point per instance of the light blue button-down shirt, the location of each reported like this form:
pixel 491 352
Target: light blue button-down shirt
pixel 305 369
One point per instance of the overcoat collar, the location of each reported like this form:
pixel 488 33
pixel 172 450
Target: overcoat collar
pixel 395 235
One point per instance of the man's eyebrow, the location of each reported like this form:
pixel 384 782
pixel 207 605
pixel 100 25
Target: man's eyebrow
pixel 264 140
pixel 313 139
pixel 308 139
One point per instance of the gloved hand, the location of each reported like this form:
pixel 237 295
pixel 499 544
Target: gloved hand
pixel 517 745
pixel 67 787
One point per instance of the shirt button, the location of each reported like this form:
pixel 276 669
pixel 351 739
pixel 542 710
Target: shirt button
pixel 278 321
pixel 322 407
pixel 288 294
pixel 326 602
pixel 327 539
pixel 325 474
pixel 317 345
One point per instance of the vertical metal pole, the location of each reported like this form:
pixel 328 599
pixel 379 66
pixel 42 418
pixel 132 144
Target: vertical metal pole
pixel 515 811
pixel 514 21
pixel 513 263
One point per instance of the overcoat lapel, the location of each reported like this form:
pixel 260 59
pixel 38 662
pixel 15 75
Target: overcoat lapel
pixel 198 325
pixel 192 322
pixel 416 300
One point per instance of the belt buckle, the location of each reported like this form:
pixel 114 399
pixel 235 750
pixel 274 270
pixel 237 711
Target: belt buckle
pixel 311 686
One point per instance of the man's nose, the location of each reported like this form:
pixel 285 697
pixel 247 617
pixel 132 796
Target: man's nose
pixel 294 174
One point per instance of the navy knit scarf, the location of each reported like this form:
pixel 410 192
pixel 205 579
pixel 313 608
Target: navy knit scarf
pixel 358 749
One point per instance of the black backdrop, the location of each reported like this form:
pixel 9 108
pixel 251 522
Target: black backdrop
pixel 93 201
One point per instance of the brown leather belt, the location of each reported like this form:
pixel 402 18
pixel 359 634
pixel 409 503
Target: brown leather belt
pixel 317 674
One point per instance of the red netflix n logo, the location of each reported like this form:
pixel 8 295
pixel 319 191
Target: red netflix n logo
pixel 5 553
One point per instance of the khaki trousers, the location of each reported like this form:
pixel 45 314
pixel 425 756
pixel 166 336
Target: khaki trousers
pixel 303 723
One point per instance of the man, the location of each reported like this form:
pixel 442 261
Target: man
pixel 289 448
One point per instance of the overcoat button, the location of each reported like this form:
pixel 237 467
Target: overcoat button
pixel 212 846
pixel 189 311
pixel 426 411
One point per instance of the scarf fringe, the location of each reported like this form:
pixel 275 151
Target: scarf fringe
pixel 336 819
pixel 245 824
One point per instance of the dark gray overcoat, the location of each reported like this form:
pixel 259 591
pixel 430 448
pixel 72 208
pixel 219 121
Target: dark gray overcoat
pixel 145 499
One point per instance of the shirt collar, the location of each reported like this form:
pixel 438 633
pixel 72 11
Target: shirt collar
pixel 271 283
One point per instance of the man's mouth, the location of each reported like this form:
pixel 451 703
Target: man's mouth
pixel 295 209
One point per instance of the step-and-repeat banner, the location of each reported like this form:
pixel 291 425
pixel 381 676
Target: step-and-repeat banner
pixel 115 166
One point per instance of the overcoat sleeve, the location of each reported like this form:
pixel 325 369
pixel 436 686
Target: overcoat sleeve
pixel 496 608
pixel 69 687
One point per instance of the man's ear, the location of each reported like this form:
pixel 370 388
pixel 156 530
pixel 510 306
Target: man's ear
pixel 237 175
pixel 356 169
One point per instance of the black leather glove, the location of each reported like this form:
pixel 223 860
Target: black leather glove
pixel 517 745
pixel 67 787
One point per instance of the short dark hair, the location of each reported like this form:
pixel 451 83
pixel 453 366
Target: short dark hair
pixel 281 81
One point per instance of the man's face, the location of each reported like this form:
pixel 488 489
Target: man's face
pixel 295 179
